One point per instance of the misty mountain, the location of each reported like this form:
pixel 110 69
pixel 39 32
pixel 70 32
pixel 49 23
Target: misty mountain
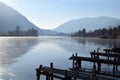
pixel 88 24
pixel 10 18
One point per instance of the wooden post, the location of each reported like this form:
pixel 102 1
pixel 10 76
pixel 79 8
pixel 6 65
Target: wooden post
pixel 113 69
pixel 116 69
pixel 75 54
pixel 47 76
pixel 76 61
pixel 38 72
pixel 79 64
pixel 94 54
pixel 75 76
pixel 97 55
pixel 91 54
pixel 98 50
pixel 108 57
pixel 73 65
pixel 51 71
pixel 99 67
pixel 66 76
pixel 94 72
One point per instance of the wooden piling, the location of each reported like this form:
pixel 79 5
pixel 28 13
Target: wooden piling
pixel 51 71
pixel 66 76
pixel 99 67
pixel 73 65
pixel 47 77
pixel 76 54
pixel 38 72
pixel 94 72
pixel 77 64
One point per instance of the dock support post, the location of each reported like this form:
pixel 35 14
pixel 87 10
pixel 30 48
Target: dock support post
pixel 66 76
pixel 38 72
pixel 75 76
pixel 99 67
pixel 47 76
pixel 79 64
pixel 75 54
pixel 94 54
pixel 73 65
pixel 94 72
pixel 116 70
pixel 51 71
pixel 113 69
pixel 76 61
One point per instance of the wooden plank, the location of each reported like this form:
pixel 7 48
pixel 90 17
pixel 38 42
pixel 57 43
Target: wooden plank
pixel 105 54
pixel 114 50
pixel 95 60
pixel 59 73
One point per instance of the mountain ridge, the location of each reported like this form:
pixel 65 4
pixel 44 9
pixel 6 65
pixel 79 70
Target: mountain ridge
pixel 88 24
pixel 10 18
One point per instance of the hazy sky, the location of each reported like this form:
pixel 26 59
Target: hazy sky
pixel 49 14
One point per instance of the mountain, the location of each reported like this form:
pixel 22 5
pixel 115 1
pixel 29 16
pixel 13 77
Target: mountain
pixel 88 24
pixel 10 18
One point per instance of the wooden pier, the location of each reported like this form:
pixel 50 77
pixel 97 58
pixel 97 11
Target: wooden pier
pixel 89 59
pixel 104 54
pixel 109 56
pixel 113 50
pixel 52 73
pixel 77 60
pixel 77 72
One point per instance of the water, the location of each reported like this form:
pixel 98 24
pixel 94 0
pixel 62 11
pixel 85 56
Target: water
pixel 19 56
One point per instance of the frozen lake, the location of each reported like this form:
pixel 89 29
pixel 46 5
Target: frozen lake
pixel 19 56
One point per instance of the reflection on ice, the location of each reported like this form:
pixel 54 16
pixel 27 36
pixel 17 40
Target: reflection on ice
pixel 12 48
pixel 19 56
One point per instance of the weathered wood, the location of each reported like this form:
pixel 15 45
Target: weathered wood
pixel 112 50
pixel 99 67
pixel 38 72
pixel 95 59
pixel 68 75
pixel 78 73
pixel 104 54
pixel 89 59
pixel 73 62
pixel 51 73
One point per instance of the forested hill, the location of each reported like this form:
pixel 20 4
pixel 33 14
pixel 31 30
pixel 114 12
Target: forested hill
pixel 100 33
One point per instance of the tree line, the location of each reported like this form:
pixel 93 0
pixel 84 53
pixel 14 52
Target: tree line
pixel 101 33
pixel 18 32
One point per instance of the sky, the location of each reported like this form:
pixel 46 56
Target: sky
pixel 49 14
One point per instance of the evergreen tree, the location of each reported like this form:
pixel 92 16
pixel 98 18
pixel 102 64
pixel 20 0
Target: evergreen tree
pixel 17 31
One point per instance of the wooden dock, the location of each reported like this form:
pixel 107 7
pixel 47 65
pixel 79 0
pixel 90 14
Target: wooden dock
pixel 109 56
pixel 89 59
pixel 76 72
pixel 77 60
pixel 104 54
pixel 113 50
pixel 52 73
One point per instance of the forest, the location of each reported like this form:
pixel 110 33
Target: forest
pixel 108 33
pixel 19 32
